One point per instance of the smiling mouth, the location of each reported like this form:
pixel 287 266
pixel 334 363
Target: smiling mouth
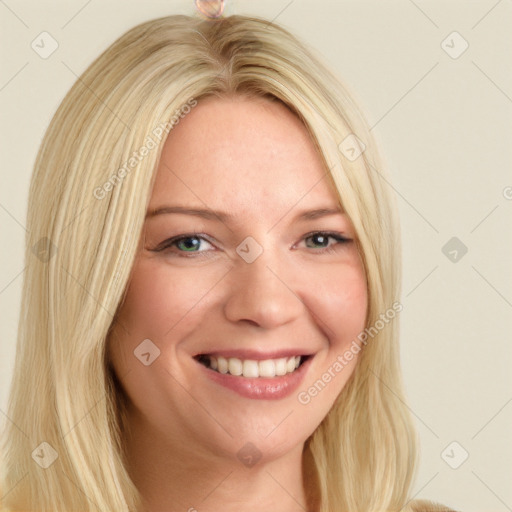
pixel 251 368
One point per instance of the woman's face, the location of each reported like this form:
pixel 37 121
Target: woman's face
pixel 254 281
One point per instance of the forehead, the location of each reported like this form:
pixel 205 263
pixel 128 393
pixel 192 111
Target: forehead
pixel 241 154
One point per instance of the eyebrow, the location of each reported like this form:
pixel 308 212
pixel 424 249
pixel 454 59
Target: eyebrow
pixel 209 214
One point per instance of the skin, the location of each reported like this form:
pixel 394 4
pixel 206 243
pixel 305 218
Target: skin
pixel 254 159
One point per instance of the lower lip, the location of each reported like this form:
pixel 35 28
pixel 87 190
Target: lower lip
pixel 262 388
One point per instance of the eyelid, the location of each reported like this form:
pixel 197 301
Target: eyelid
pixel 340 238
pixel 166 244
pixel 334 234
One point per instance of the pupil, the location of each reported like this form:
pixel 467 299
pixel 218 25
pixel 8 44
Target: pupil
pixel 319 239
pixel 186 242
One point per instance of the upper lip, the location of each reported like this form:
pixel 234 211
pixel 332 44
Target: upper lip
pixel 255 355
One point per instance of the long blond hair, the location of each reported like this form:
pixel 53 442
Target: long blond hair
pixel 88 199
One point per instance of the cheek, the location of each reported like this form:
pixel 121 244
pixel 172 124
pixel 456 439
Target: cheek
pixel 340 300
pixel 162 304
pixel 158 299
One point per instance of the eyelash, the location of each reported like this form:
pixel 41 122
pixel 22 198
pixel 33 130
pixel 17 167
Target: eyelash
pixel 167 244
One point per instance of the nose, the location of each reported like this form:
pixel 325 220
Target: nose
pixel 262 293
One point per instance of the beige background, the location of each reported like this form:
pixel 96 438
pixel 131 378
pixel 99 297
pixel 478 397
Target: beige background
pixel 445 128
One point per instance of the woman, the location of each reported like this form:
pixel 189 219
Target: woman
pixel 209 311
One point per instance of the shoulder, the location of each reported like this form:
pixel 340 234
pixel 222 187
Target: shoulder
pixel 428 506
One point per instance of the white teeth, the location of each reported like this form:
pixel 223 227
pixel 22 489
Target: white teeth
pixel 222 364
pixel 267 368
pixel 251 369
pixel 281 366
pixel 235 366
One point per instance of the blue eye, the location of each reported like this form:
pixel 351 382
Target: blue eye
pixel 184 243
pixel 189 244
pixel 323 238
